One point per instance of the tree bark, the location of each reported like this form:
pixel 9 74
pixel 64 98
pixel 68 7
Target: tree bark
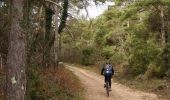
pixel 16 58
pixel 56 41
pixel 164 39
pixel 162 24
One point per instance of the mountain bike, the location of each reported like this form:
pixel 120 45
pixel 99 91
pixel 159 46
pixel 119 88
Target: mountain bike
pixel 107 88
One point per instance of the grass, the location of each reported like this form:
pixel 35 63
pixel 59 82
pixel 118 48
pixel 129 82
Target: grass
pixel 153 85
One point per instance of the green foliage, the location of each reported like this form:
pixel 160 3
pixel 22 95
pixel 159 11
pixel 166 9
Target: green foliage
pixel 87 56
pixel 107 52
pixel 129 12
pixel 118 57
pixel 143 49
pixel 128 34
pixel 143 54
pixel 99 38
pixel 153 71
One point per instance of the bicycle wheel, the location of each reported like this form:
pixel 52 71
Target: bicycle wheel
pixel 107 88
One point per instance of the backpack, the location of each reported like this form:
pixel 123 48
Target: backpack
pixel 108 69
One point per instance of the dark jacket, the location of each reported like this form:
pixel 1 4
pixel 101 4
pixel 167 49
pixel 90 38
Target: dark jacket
pixel 104 69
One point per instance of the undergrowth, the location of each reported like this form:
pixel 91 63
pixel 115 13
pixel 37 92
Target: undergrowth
pixel 54 84
pixel 2 84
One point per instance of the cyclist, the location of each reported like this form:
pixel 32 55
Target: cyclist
pixel 107 71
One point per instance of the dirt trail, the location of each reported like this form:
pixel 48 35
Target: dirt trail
pixel 94 88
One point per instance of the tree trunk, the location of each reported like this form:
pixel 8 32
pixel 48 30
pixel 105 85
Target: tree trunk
pixel 0 62
pixel 16 59
pixel 48 35
pixel 162 25
pixel 164 39
pixel 56 41
pixel 60 46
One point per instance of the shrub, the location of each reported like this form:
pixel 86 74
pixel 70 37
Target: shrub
pixel 87 56
pixel 107 52
pixel 142 55
pixel 118 57
pixel 59 84
pixel 152 71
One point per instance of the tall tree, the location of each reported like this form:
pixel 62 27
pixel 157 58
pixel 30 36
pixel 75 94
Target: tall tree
pixel 16 59
pixel 56 42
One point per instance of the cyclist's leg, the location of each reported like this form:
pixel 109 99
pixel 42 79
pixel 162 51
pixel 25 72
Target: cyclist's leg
pixel 105 78
pixel 109 79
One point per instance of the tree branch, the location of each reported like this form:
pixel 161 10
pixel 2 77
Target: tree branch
pixel 85 8
pixel 53 3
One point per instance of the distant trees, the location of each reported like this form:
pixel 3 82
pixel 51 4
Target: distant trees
pixel 150 30
pixel 133 34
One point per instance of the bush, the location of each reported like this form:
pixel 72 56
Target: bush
pixel 168 74
pixel 142 55
pixel 87 56
pixel 107 52
pixel 118 57
pixel 152 71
